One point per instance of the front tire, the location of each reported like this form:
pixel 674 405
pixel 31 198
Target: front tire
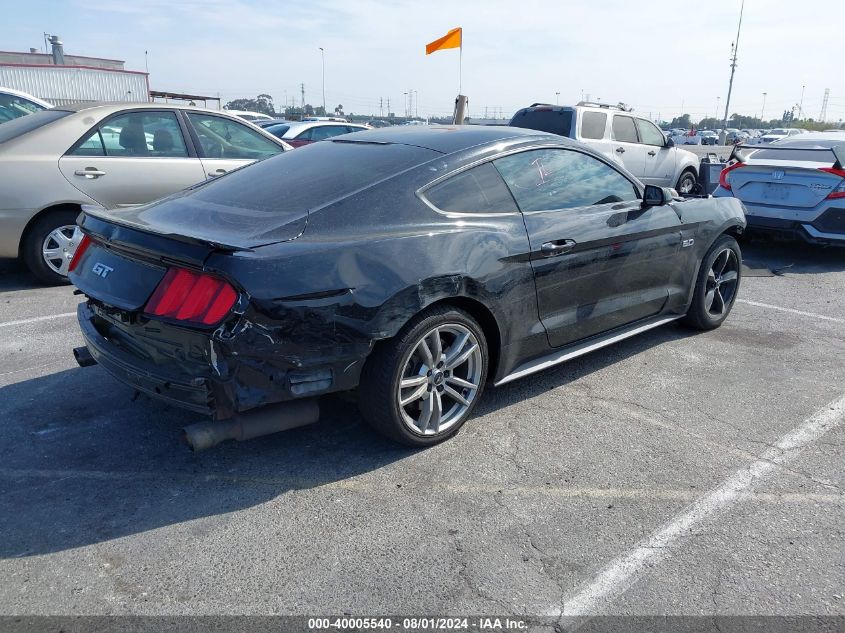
pixel 50 244
pixel 717 285
pixel 419 387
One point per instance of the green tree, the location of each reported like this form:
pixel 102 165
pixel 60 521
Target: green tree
pixel 262 103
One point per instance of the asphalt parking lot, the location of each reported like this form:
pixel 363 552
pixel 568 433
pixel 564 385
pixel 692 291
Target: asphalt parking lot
pixel 674 473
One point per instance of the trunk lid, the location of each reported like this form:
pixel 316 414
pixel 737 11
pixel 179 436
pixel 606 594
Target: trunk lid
pixel 782 184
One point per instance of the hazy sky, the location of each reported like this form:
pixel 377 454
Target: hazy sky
pixel 660 56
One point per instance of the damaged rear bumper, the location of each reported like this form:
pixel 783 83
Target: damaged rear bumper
pixel 221 378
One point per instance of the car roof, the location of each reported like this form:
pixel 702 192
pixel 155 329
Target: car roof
pixel 129 105
pixel 448 138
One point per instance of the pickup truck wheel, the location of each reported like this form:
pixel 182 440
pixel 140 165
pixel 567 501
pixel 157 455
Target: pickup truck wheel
pixel 419 387
pixel 49 246
pixel 686 182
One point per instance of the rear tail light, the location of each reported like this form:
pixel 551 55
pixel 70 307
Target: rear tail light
pixel 839 191
pixel 192 297
pixel 723 177
pixel 80 251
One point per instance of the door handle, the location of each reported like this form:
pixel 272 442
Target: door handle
pixel 216 173
pixel 89 172
pixel 620 150
pixel 558 247
pixel 652 153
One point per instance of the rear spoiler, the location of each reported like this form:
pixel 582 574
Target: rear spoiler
pixel 739 154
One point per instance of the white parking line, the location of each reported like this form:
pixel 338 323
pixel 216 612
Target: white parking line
pixel 791 311
pixel 622 572
pixel 63 315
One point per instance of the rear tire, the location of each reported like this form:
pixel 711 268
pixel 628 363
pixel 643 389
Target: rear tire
pixel 55 233
pixel 686 182
pixel 419 387
pixel 717 285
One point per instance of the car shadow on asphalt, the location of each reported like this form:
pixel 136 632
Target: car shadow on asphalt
pixel 82 463
pixel 792 257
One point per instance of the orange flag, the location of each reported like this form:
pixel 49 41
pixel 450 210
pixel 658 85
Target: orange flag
pixel 452 39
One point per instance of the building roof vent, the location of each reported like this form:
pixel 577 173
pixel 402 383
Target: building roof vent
pixel 58 50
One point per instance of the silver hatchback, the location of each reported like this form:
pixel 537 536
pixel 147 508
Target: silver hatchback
pixel 107 155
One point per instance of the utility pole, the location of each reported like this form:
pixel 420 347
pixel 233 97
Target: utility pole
pixel 405 99
pixel 801 104
pixel 323 57
pixel 557 98
pixel 388 107
pixel 718 99
pixel 416 104
pixel 735 49
pixel 302 87
pixel 763 109
pixel 381 106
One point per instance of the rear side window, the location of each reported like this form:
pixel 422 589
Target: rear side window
pixel 12 107
pixel 593 125
pixel 624 130
pixel 477 190
pixel 137 134
pixel 555 121
pixel 22 125
pixel 277 130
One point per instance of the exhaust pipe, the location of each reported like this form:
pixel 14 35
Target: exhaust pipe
pixel 83 357
pixel 263 421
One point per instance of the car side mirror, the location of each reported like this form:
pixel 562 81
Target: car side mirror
pixel 669 142
pixel 655 196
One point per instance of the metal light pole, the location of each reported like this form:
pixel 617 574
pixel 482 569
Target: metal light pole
pixel 763 109
pixel 405 95
pixel 718 99
pixel 733 65
pixel 557 98
pixel 323 57
pixel 801 104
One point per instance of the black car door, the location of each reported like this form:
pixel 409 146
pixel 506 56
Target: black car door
pixel 600 261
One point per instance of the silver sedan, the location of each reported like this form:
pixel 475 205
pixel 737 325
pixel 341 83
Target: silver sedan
pixel 107 155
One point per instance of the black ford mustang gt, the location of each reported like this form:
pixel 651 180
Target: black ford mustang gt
pixel 414 265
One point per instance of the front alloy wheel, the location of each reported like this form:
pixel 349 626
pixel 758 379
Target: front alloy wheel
pixel 722 281
pixel 419 387
pixel 717 285
pixel 686 183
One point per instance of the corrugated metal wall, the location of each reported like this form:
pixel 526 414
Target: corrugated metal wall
pixel 61 85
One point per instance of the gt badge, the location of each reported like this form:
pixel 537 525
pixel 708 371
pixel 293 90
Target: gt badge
pixel 101 269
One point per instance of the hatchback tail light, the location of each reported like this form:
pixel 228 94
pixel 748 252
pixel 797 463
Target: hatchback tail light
pixel 192 297
pixel 839 191
pixel 723 177
pixel 80 251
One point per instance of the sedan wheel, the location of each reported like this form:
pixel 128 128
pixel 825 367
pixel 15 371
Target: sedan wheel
pixel 419 387
pixel 49 245
pixel 717 285
pixel 59 246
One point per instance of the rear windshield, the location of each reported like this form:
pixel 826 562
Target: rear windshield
pixel 781 132
pixel 311 176
pixel 277 129
pixel 20 126
pixel 556 121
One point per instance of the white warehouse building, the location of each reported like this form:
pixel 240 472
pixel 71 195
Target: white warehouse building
pixel 62 79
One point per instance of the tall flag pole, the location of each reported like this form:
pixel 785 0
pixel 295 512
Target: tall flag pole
pixel 452 39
